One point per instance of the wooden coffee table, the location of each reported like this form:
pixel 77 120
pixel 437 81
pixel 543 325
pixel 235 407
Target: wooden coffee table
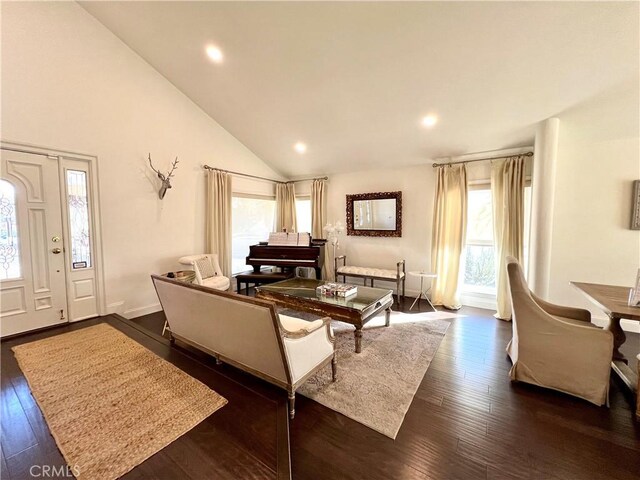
pixel 300 294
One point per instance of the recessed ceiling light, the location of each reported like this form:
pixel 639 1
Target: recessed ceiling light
pixel 215 54
pixel 300 147
pixel 429 121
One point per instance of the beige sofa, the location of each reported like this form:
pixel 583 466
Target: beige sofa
pixel 557 347
pixel 247 333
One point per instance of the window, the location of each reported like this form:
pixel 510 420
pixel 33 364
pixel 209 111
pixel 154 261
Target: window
pixel 9 251
pixel 303 214
pixel 78 219
pixel 252 221
pixel 479 261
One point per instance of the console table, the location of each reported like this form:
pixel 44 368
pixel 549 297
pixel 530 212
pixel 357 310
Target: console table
pixel 612 300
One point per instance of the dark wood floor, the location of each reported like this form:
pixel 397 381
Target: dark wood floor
pixel 467 421
pixel 244 439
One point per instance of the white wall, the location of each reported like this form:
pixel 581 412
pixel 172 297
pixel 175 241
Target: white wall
pixel 598 158
pixel 69 83
pixel 417 185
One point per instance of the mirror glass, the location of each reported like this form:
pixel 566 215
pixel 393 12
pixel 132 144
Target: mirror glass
pixel 378 214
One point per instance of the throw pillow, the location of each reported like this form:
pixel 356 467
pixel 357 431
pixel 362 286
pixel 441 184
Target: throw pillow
pixel 205 268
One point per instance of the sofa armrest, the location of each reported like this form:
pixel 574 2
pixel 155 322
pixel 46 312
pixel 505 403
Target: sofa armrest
pixel 293 327
pixel 308 351
pixel 562 311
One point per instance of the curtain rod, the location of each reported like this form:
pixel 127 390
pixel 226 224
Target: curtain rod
pixel 239 174
pixel 527 154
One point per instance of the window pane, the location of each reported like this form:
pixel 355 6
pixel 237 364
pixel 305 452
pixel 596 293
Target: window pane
pixel 9 246
pixel 479 216
pixel 303 214
pixel 480 267
pixel 252 222
pixel 479 258
pixel 78 219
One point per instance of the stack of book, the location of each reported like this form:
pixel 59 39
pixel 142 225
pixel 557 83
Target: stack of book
pixel 337 290
pixel 290 239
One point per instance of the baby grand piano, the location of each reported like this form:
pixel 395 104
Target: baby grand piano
pixel 289 256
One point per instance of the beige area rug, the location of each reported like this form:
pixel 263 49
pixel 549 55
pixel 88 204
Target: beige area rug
pixel 109 402
pixel 376 387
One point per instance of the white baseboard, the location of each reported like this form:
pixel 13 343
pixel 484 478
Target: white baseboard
pixel 116 307
pixel 479 300
pixel 140 311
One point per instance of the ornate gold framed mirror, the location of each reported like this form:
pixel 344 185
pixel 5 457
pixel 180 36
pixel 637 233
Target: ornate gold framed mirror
pixel 375 214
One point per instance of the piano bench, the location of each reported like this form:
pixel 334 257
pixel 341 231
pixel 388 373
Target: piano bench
pixel 256 279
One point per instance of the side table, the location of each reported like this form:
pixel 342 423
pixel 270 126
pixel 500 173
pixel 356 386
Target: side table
pixel 423 292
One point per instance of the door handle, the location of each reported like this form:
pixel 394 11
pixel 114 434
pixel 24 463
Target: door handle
pixel 56 251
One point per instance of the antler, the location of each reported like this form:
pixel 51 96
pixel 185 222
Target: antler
pixel 174 165
pixel 166 183
pixel 151 165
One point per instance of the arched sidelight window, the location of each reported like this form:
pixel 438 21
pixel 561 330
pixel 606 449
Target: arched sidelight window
pixel 9 241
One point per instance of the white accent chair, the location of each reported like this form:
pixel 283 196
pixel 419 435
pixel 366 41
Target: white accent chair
pixel 557 347
pixel 217 280
pixel 247 333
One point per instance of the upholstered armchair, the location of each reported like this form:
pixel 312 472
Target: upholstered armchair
pixel 557 347
pixel 208 271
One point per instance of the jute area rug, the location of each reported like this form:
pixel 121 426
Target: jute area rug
pixel 376 387
pixel 109 402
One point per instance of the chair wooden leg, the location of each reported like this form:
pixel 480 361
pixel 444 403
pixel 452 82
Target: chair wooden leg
pixel 292 405
pixel 334 368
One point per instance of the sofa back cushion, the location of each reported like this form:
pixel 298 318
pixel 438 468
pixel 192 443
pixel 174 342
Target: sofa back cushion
pixel 239 328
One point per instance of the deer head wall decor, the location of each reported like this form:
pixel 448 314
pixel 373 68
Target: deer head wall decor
pixel 165 179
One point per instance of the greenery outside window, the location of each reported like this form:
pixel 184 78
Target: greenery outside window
pixel 479 258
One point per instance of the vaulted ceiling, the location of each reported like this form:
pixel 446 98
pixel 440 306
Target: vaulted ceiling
pixel 353 80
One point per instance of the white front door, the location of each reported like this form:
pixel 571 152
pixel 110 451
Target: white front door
pixel 32 270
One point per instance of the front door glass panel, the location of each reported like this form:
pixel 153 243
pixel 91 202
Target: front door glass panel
pixel 9 241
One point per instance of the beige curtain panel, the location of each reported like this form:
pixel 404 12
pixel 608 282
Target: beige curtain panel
pixel 318 207
pixel 219 218
pixel 507 190
pixel 319 216
pixel 448 235
pixel 286 207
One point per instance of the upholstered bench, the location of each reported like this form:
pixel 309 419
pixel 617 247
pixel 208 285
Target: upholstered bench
pixel 397 275
pixel 261 278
